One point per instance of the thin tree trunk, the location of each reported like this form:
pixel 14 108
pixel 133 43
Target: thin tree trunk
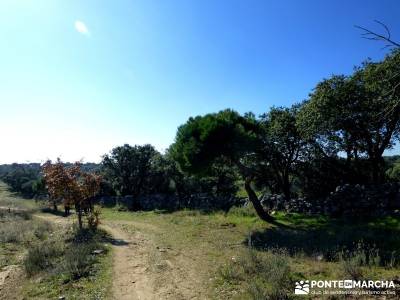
pixel 377 165
pixel 55 208
pixel 256 203
pixel 286 186
pixel 66 210
pixel 78 209
pixel 80 218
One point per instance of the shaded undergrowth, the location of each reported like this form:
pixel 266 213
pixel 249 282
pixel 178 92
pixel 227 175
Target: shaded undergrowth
pixel 334 240
pixel 315 247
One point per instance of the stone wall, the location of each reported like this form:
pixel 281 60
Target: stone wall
pixel 351 200
pixel 346 200
pixel 172 202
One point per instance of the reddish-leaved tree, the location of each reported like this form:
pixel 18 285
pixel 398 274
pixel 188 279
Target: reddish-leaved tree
pixel 74 186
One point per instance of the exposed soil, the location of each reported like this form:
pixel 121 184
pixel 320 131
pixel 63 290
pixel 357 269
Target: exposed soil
pixel 142 270
pixel 10 278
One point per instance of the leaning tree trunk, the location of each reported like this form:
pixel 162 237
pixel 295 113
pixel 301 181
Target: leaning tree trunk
pixel 256 203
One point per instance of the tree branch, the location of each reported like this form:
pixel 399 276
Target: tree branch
pixel 371 35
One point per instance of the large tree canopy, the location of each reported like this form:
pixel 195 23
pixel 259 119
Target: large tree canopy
pixel 285 146
pixel 358 115
pixel 130 167
pixel 203 139
pixel 225 135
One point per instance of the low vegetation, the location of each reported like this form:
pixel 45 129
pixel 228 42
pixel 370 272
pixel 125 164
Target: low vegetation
pixel 58 259
pixel 237 256
pixel 258 276
pixel 76 264
pixel 335 138
pixel 19 231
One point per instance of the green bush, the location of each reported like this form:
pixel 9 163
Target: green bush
pixel 352 262
pixel 15 215
pixel 78 260
pixel 42 256
pixel 264 275
pixel 17 229
pixel 41 230
pixel 74 256
pixel 12 232
pixel 352 266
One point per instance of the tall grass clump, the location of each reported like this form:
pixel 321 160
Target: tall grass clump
pixel 243 211
pixel 353 263
pixel 80 256
pixel 42 256
pixel 13 232
pixel 19 227
pixel 74 255
pixel 78 260
pixel 260 275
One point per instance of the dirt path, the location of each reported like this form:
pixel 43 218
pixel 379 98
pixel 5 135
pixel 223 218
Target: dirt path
pixel 131 278
pixel 10 279
pixel 141 269
pixel 145 270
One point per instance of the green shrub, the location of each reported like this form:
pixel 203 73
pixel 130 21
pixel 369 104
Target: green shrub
pixel 84 235
pixel 229 273
pixel 271 272
pixel 41 230
pixel 352 262
pixel 264 275
pixel 74 256
pixel 93 219
pixel 352 267
pixel 13 214
pixel 78 260
pixel 12 232
pixel 258 290
pixel 17 230
pixel 42 256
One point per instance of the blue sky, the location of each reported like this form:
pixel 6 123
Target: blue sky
pixel 80 77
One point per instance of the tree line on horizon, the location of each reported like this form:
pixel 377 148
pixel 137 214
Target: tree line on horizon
pixel 337 136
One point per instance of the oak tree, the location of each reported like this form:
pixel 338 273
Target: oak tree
pixel 71 185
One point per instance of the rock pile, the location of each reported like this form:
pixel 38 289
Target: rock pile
pixel 346 200
pixel 172 202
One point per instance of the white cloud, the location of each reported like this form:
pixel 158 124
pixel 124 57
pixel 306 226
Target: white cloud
pixel 81 27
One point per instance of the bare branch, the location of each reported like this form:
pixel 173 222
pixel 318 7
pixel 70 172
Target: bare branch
pixel 384 26
pixel 371 35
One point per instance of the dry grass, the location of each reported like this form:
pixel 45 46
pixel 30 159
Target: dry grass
pixel 58 259
pixel 216 247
